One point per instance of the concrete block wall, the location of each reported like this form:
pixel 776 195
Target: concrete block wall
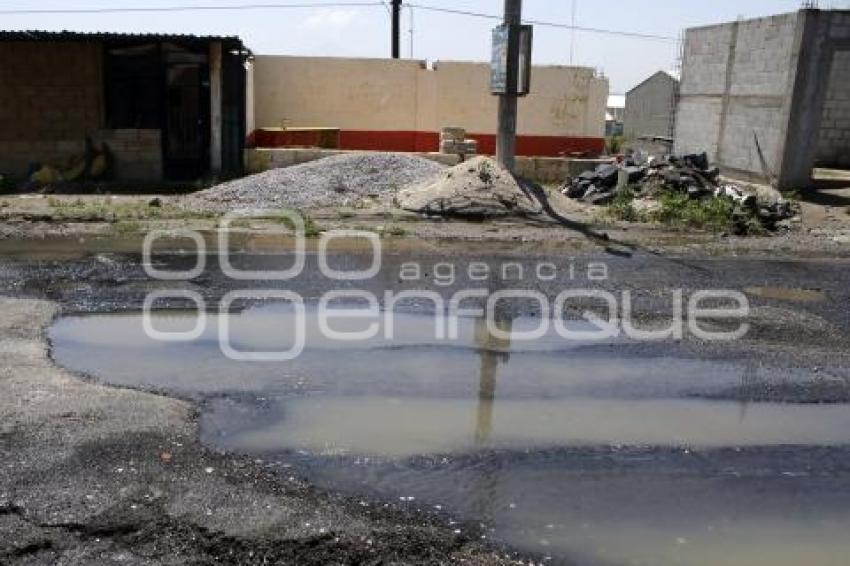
pixel 702 88
pixel 737 83
pixel 698 125
pixel 51 98
pixel 834 135
pixel 706 59
pixel 760 92
pixel 50 95
pixel 764 60
pixel 137 153
pixel 746 120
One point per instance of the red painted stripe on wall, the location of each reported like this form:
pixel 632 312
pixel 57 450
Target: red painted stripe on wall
pixel 411 141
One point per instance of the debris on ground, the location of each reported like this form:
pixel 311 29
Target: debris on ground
pixel 478 188
pixel 639 180
pixel 346 180
pixel 93 164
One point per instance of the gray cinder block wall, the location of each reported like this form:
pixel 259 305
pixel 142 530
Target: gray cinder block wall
pixel 650 107
pixel 834 135
pixel 769 80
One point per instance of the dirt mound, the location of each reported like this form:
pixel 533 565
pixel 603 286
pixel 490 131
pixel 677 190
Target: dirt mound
pixel 478 188
pixel 342 180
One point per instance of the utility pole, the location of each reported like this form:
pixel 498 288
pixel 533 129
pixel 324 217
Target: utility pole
pixel 573 35
pixel 506 139
pixel 396 29
pixel 411 31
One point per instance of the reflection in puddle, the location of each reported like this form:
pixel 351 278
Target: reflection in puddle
pixel 492 350
pixel 400 427
pixel 595 453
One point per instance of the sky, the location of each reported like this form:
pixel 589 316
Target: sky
pixel 363 31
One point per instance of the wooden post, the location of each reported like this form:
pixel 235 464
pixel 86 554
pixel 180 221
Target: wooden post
pixel 215 108
pixel 506 138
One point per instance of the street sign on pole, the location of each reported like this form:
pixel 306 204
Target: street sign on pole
pixel 499 62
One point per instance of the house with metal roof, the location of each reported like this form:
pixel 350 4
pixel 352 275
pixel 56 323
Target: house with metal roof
pixel 159 106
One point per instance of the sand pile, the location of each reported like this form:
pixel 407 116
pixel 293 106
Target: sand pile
pixel 478 188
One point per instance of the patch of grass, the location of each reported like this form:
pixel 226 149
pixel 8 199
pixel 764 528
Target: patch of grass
pixel 678 209
pixel 283 217
pixel 613 144
pixel 395 230
pixel 311 230
pixel 107 210
pixel 623 208
pixel 127 227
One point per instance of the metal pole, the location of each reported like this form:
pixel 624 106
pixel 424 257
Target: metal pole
pixel 396 29
pixel 411 31
pixel 573 35
pixel 506 138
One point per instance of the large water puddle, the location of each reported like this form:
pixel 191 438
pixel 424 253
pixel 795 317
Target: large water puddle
pixel 593 452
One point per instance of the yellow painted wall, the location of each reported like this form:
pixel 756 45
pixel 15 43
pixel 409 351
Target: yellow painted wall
pixel 374 94
pixel 387 95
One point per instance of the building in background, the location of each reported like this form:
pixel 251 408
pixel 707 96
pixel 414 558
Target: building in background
pixel 651 108
pixel 769 97
pixel 615 115
pixel 402 105
pixel 166 106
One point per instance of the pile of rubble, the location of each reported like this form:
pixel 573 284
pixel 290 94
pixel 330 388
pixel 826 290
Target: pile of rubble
pixel 645 177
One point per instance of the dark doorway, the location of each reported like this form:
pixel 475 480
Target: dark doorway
pixel 186 121
pixel 132 87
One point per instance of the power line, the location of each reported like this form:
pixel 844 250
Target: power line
pixel 304 5
pixel 543 23
pixel 222 8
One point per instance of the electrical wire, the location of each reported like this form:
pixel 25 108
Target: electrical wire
pixel 208 8
pixel 302 5
pixel 543 23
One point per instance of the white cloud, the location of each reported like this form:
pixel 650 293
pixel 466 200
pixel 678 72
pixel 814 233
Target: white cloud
pixel 329 19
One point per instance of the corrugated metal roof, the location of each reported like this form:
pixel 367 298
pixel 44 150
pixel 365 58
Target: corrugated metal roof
pixel 108 37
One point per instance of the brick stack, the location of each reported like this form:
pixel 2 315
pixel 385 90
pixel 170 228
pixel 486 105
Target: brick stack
pixel 453 141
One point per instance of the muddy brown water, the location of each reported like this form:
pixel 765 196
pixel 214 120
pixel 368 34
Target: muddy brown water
pixel 581 452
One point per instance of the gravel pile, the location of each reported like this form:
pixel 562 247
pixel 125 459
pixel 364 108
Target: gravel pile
pixel 338 181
